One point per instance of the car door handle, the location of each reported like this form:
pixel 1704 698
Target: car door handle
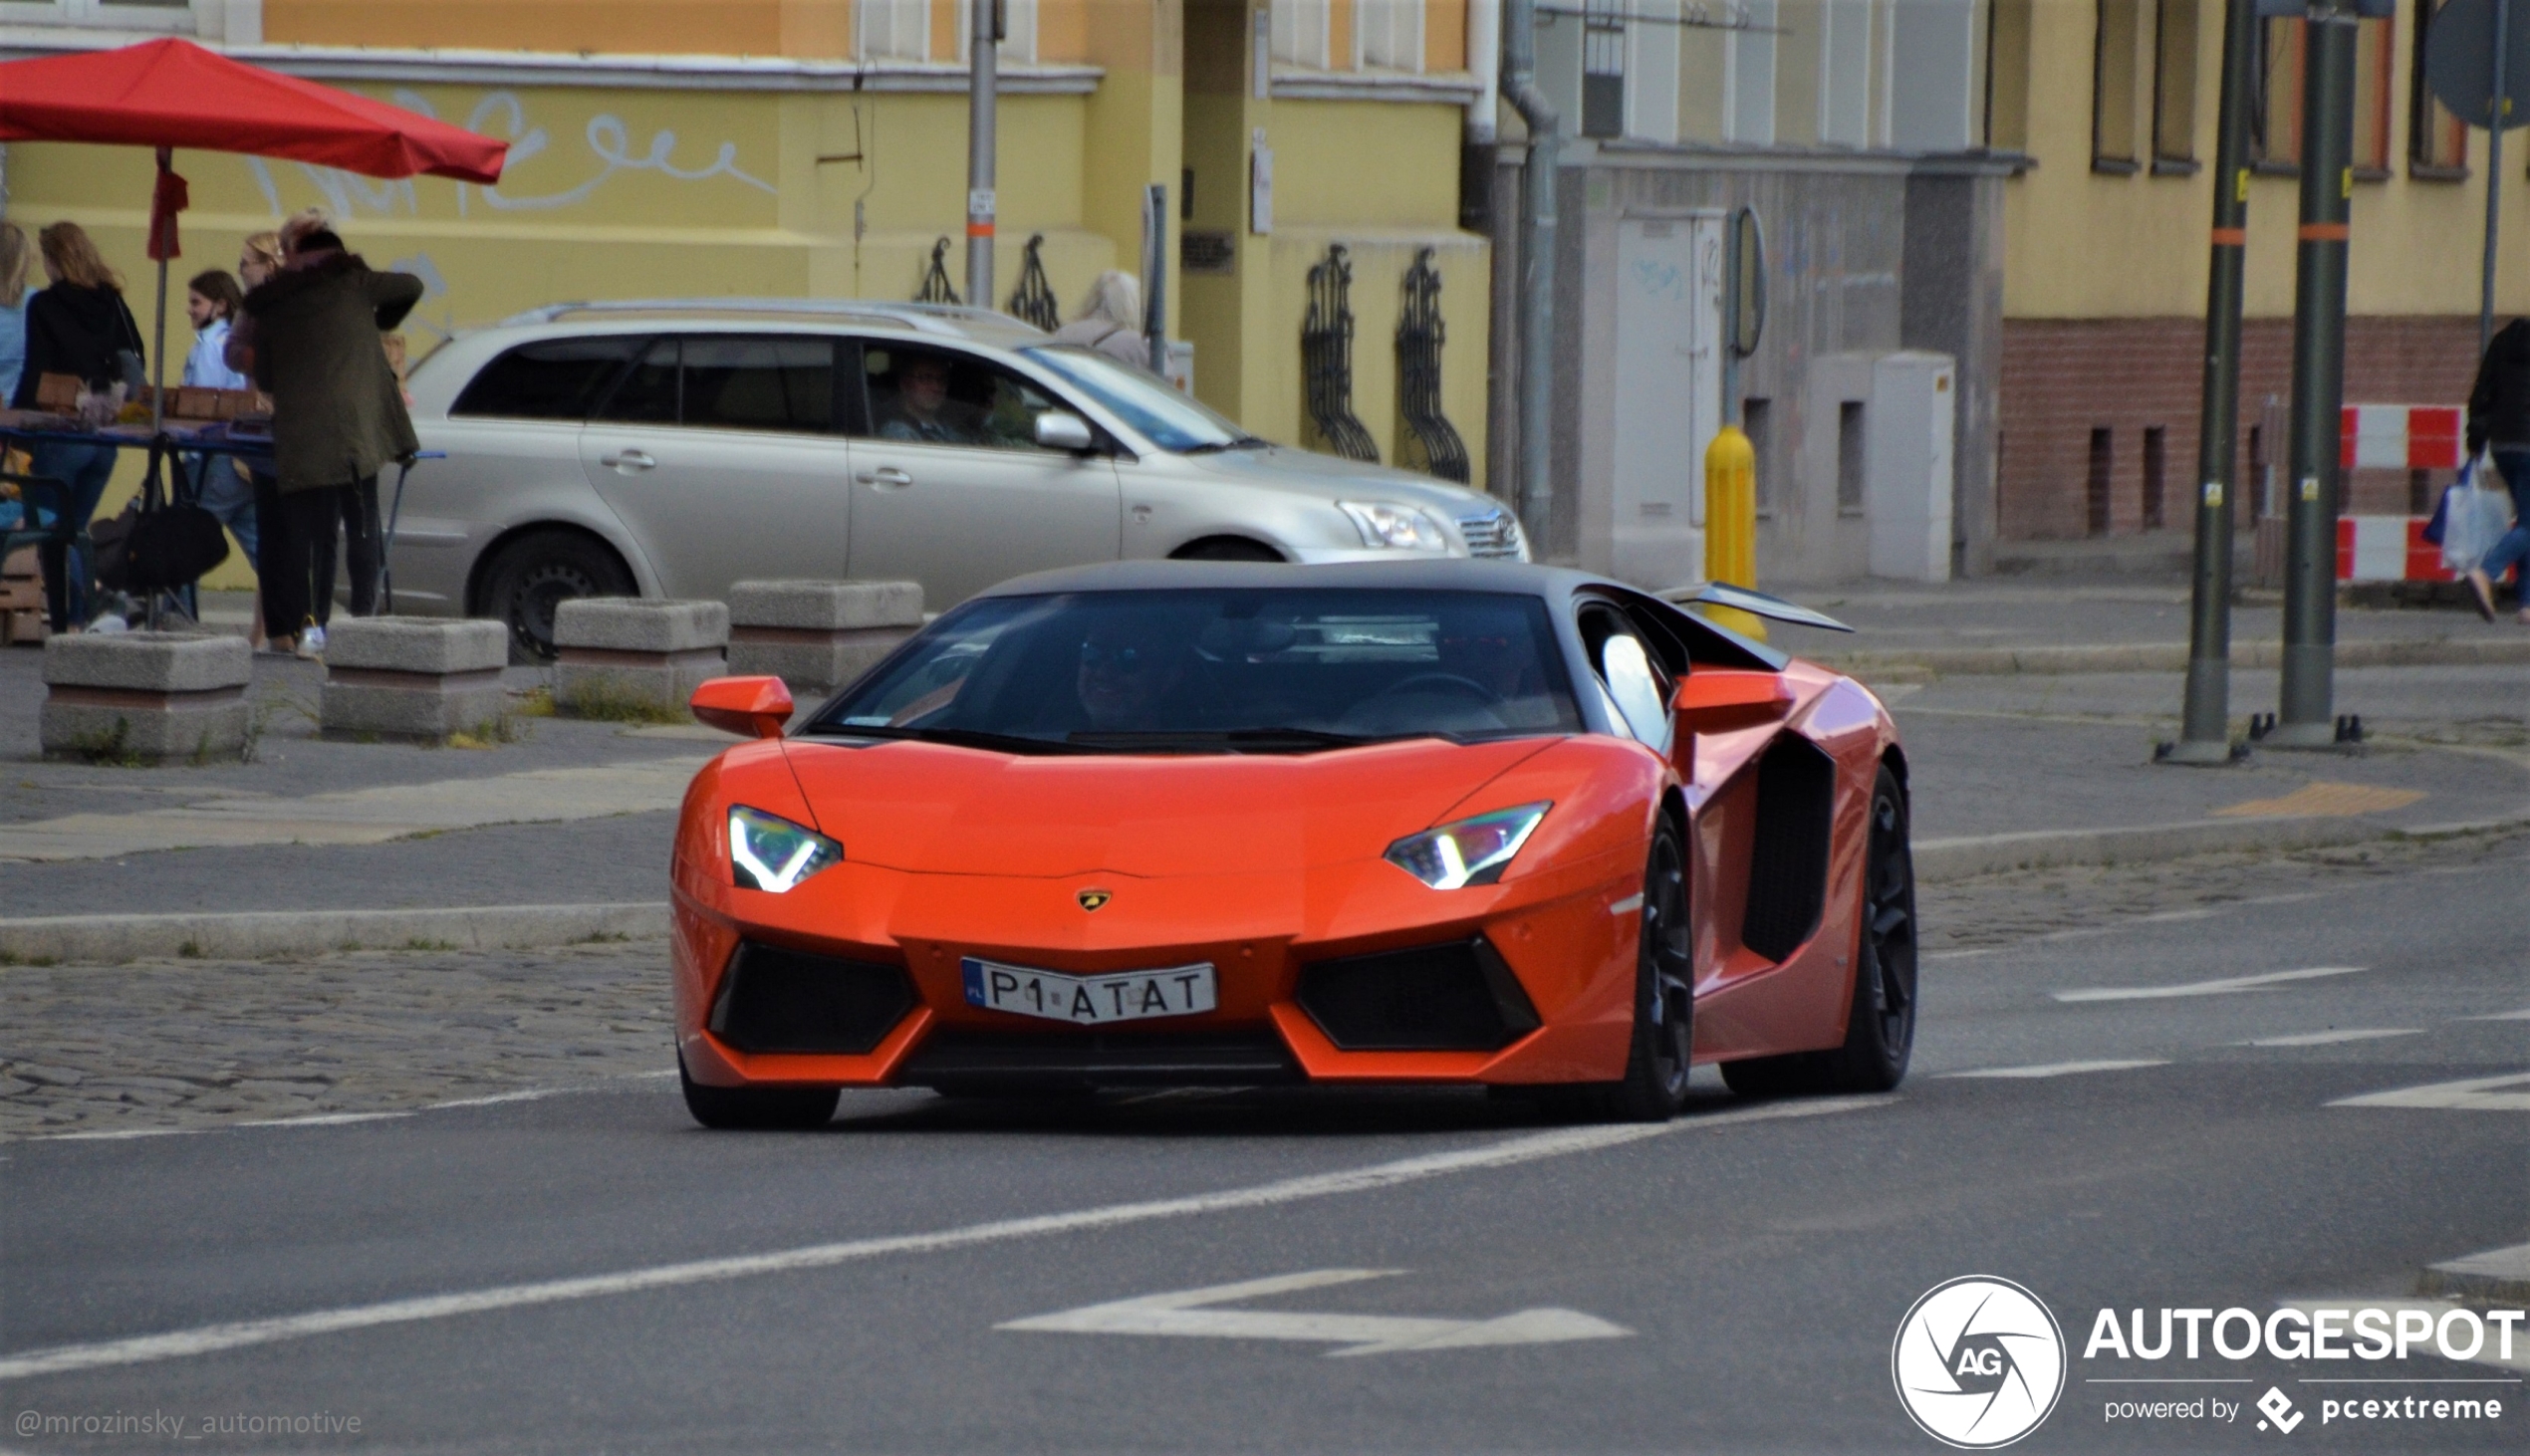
pixel 628 461
pixel 886 475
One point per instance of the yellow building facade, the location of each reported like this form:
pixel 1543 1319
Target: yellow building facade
pixel 818 149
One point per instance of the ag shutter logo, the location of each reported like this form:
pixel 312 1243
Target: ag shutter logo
pixel 1978 1363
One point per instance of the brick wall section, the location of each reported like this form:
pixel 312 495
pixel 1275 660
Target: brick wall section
pixel 2065 377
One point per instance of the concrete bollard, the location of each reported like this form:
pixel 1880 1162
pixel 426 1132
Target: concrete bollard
pixel 818 635
pixel 146 696
pixel 626 657
pixel 410 678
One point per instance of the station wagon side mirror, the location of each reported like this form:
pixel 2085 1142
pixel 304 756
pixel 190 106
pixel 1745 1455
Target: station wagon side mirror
pixel 751 707
pixel 1061 430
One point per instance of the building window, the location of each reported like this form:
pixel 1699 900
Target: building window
pixel 1748 77
pixel 1302 31
pixel 1388 34
pixel 1757 421
pixel 2437 141
pixel 2007 75
pixel 2156 477
pixel 893 30
pixel 2096 489
pixel 2174 30
pixel 2375 60
pixel 1602 67
pixel 2113 80
pixel 160 15
pixel 1850 457
pixel 2275 112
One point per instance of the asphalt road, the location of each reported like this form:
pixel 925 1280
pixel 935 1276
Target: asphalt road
pixel 1758 1256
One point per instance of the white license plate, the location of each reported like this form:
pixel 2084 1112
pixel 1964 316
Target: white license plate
pixel 1088 999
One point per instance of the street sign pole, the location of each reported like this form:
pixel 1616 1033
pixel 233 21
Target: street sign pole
pixel 2205 732
pixel 2318 344
pixel 2499 111
pixel 983 86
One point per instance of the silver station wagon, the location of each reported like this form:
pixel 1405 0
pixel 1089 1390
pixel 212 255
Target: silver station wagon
pixel 670 448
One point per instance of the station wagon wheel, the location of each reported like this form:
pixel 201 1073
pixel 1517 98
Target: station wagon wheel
pixel 537 572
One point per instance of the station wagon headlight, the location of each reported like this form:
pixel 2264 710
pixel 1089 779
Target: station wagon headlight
pixel 1471 851
pixel 772 854
pixel 1383 523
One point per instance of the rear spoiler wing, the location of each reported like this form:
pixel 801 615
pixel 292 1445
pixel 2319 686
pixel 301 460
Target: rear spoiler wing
pixel 1747 600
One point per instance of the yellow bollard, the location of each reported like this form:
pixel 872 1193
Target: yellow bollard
pixel 1730 525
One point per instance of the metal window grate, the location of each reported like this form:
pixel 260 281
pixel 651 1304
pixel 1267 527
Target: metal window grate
pixel 1033 300
pixel 935 287
pixel 1419 334
pixel 1326 359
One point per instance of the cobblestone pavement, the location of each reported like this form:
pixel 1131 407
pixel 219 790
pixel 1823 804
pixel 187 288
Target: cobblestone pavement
pixel 165 1045
pixel 185 1043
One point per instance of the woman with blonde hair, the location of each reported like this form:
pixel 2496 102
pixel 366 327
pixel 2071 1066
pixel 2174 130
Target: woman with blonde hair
pixel 16 256
pixel 258 259
pixel 79 326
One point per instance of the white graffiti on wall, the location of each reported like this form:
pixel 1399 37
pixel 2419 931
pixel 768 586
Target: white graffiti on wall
pixel 347 194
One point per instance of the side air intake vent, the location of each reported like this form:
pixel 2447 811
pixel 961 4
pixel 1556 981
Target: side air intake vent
pixel 1787 868
pixel 776 1000
pixel 1457 997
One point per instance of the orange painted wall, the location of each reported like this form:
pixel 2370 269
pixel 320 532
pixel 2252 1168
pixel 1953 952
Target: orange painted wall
pixel 1063 30
pixel 647 27
pixel 1446 35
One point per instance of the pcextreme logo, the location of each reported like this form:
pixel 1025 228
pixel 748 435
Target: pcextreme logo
pixel 1978 1363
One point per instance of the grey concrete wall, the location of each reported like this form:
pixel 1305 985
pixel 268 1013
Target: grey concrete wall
pixel 1952 293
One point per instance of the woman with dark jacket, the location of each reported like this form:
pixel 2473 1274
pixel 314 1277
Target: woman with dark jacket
pixel 76 326
pixel 2499 421
pixel 337 414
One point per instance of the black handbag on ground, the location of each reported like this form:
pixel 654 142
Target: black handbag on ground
pixel 153 551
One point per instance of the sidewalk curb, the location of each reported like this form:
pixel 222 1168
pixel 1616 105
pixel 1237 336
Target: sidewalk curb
pixel 1944 859
pixel 107 939
pixel 2169 656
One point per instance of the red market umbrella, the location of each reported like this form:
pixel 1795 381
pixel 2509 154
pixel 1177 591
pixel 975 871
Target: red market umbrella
pixel 167 93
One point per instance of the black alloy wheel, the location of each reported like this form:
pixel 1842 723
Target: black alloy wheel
pixel 1880 1031
pixel 536 574
pixel 757 1109
pixel 1660 1053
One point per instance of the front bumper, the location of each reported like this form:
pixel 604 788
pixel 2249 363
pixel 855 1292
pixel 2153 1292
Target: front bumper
pixel 1354 973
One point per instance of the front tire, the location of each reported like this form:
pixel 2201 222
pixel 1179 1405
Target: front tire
pixel 1660 1055
pixel 1880 1028
pixel 757 1109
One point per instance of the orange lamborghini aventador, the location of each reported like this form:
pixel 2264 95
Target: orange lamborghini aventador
pixel 1178 823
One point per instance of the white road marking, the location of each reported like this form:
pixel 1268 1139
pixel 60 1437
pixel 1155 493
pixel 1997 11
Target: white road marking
pixel 2522 1015
pixel 2330 1039
pixel 204 1339
pixel 324 1120
pixel 1183 1313
pixel 2062 1069
pixel 2476 1095
pixel 118 1136
pixel 2227 986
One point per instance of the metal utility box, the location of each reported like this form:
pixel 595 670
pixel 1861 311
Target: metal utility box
pixel 1907 476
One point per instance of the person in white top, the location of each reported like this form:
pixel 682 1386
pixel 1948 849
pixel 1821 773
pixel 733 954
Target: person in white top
pixel 220 485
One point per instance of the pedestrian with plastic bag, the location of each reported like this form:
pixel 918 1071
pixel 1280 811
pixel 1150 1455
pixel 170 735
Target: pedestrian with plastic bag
pixel 338 415
pixel 2499 424
pixel 2475 513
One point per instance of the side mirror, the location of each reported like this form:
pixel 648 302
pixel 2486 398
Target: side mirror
pixel 751 707
pixel 1061 430
pixel 1720 699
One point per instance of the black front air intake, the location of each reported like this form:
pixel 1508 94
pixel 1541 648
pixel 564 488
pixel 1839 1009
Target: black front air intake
pixel 1455 996
pixel 777 1000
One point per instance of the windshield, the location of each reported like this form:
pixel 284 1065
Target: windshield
pixel 1222 671
pixel 1166 419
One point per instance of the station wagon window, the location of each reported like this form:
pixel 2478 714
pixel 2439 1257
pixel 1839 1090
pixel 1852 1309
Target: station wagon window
pixel 555 378
pixel 938 398
pixel 763 383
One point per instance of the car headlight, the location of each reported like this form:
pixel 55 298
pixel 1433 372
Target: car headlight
pixel 1469 852
pixel 1401 527
pixel 774 855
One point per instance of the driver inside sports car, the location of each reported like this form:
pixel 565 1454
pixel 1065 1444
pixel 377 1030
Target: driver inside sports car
pixel 1131 665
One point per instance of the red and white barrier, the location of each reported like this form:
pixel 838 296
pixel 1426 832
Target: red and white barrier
pixel 2387 548
pixel 2400 437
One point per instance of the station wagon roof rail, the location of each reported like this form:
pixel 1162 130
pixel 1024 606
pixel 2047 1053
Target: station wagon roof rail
pixel 947 321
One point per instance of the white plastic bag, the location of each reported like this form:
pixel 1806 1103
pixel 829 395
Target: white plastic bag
pixel 2473 517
